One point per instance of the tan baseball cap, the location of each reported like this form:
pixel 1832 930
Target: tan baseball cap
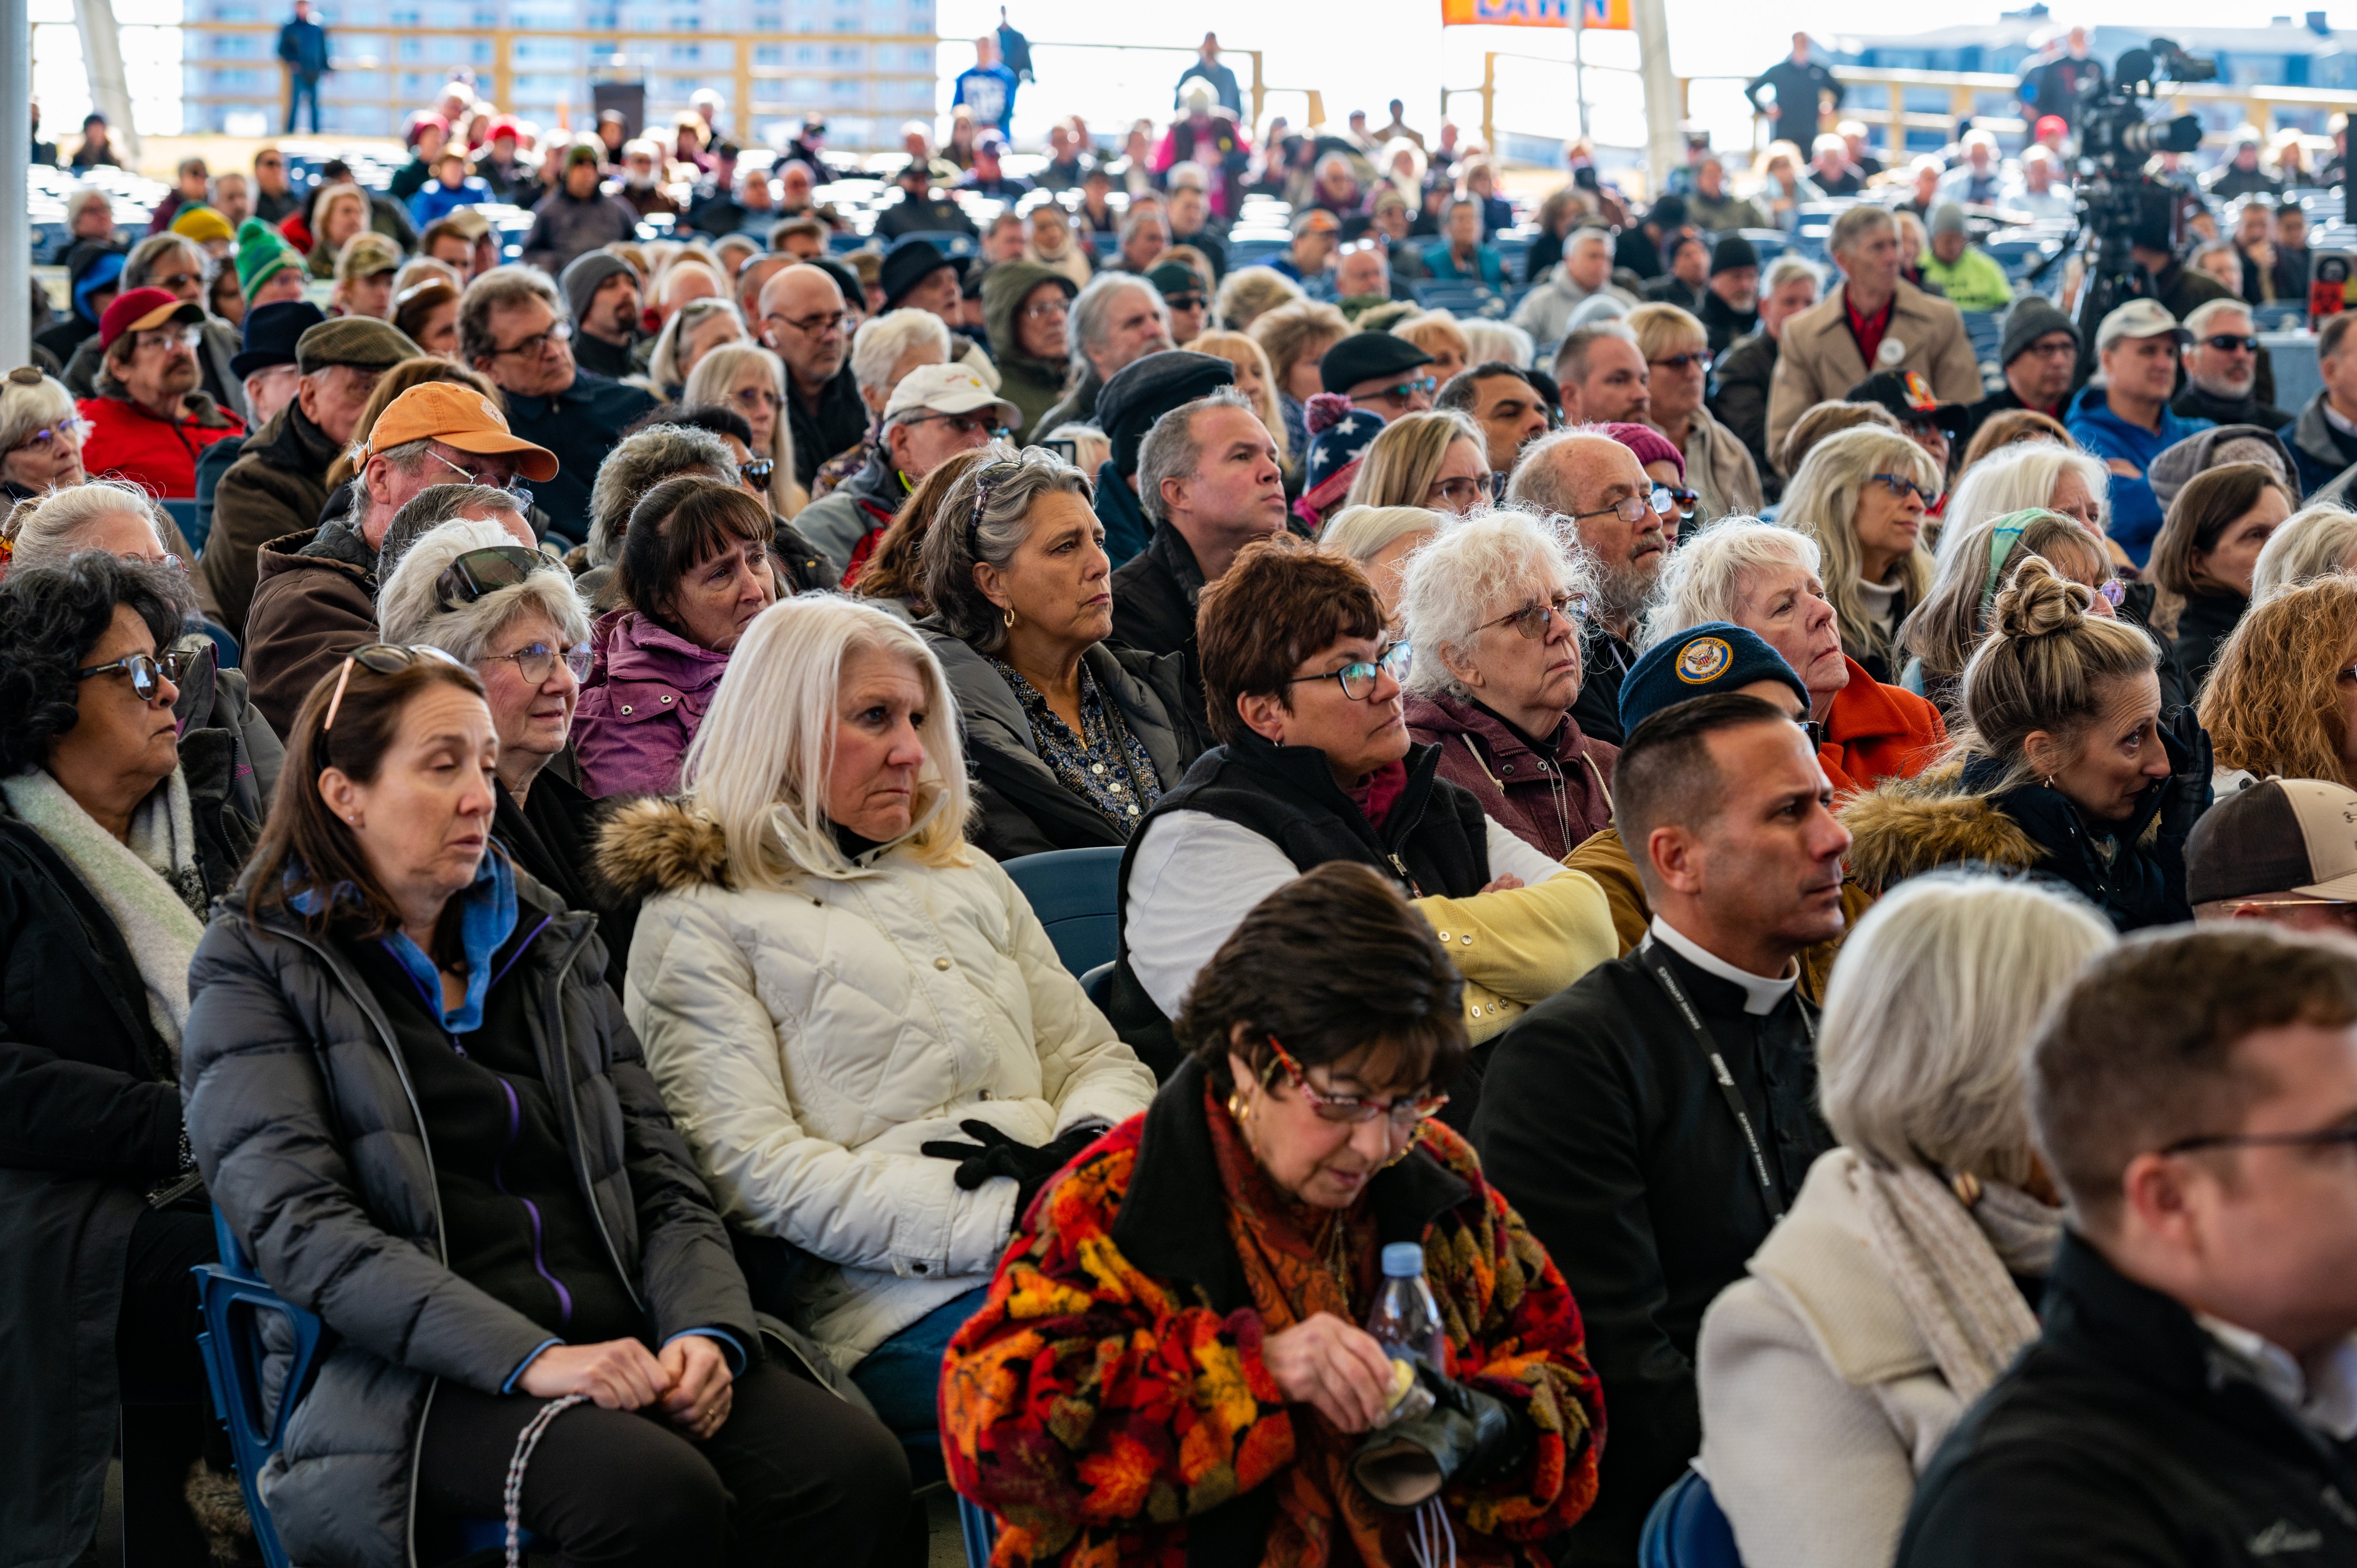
pixel 2279 835
pixel 457 416
pixel 947 389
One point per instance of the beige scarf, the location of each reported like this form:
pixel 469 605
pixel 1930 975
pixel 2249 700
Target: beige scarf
pixel 1953 1266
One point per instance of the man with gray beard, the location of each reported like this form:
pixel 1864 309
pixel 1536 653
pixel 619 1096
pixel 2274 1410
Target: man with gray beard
pixel 1597 484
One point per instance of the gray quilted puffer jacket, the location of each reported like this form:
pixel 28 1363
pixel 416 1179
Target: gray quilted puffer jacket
pixel 303 1121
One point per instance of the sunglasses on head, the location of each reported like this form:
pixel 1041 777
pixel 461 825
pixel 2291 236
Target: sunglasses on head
pixel 148 672
pixel 479 572
pixel 377 659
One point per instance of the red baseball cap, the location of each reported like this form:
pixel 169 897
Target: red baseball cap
pixel 2049 126
pixel 141 309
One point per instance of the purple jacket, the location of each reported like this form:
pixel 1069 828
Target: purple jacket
pixel 1553 801
pixel 647 692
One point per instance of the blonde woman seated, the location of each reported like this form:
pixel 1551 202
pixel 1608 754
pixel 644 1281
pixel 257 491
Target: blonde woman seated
pixel 1380 538
pixel 2280 700
pixel 1863 496
pixel 1904 1280
pixel 1438 460
pixel 860 1026
pixel 1492 607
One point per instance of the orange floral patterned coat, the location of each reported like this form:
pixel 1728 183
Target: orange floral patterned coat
pixel 1109 1402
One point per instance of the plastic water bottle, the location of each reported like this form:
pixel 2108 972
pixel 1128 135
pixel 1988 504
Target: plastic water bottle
pixel 1406 1324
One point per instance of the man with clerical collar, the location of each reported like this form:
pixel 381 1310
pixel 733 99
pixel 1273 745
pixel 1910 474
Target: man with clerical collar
pixel 1655 1118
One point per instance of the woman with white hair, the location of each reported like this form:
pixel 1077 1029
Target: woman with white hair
pixel 513 617
pixel 860 1026
pixel 111 517
pixel 1976 561
pixel 1381 539
pixel 1492 607
pixel 1902 1282
pixel 750 381
pixel 1766 579
pixel 1863 496
pixel 2317 542
pixel 694 330
pixel 40 434
pixel 2043 474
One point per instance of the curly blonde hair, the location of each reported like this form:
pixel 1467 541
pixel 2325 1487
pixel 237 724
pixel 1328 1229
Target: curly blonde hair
pixel 2273 702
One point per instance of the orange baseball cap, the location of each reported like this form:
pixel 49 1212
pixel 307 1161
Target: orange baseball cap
pixel 457 416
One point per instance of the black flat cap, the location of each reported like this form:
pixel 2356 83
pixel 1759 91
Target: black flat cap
pixel 910 262
pixel 1144 390
pixel 271 332
pixel 1364 356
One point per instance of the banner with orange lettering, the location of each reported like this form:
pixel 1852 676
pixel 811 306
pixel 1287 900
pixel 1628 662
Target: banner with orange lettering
pixel 1610 15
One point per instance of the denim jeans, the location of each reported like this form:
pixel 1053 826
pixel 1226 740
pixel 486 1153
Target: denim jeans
pixel 902 1376
pixel 298 88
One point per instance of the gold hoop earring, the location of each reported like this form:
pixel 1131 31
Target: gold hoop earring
pixel 1010 617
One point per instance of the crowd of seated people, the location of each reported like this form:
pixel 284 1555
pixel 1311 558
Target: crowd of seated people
pixel 1670 815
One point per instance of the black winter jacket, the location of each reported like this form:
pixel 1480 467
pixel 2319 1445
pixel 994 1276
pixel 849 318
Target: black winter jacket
pixel 2126 1434
pixel 1154 597
pixel 89 1124
pixel 304 1122
pixel 1024 808
pixel 1600 1120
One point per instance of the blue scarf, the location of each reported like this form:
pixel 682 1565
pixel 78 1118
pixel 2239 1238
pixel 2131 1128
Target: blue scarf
pixel 487 918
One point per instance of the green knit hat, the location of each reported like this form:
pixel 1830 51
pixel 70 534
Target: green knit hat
pixel 260 251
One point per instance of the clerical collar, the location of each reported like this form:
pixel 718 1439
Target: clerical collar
pixel 1761 996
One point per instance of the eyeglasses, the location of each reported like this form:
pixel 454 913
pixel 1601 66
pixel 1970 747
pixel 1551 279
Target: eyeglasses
pixel 176 281
pixel 536 661
pixel 809 326
pixel 377 659
pixel 1406 390
pixel 1531 620
pixel 481 572
pixel 1184 301
pixel 757 471
pixel 49 435
pixel 1698 359
pixel 2112 591
pixel 964 424
pixel 148 672
pixel 2227 342
pixel 1632 509
pixel 1055 310
pixel 755 397
pixel 1355 1109
pixel 1360 677
pixel 164 338
pixel 1903 487
pixel 531 348
pixel 515 488
pixel 1461 492
pixel 1685 499
pixel 2324 1138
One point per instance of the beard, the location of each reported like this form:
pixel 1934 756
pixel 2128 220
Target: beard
pixel 1625 588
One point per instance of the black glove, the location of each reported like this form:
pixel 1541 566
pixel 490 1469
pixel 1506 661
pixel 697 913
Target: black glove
pixel 2187 789
pixel 995 1153
pixel 1467 1435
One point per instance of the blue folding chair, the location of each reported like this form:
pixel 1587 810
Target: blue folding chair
pixel 233 1300
pixel 1686 1529
pixel 1074 893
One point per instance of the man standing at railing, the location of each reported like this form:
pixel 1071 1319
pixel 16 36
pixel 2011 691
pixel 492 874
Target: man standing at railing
pixel 2059 84
pixel 1801 87
pixel 303 45
pixel 988 88
pixel 1224 81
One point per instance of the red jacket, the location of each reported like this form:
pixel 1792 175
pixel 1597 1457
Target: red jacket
pixel 127 442
pixel 1875 732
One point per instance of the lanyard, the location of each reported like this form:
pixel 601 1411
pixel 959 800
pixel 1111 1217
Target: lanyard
pixel 1678 995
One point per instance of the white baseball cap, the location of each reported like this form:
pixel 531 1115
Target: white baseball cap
pixel 2138 319
pixel 947 389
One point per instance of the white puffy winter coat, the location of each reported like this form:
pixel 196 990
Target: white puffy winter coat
pixel 809 1040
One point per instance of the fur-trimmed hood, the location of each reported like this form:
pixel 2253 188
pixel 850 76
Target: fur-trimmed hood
pixel 657 846
pixel 1904 827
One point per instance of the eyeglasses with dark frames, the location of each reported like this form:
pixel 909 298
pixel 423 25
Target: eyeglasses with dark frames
pixel 1531 621
pixel 2322 1138
pixel 531 348
pixel 1901 486
pixel 1355 1110
pixel 2227 342
pixel 967 423
pixel 1685 499
pixel 1406 390
pixel 148 672
pixel 1360 677
pixel 809 326
pixel 1699 359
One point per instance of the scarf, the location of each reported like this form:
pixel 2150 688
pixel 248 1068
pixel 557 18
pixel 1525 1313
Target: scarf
pixel 1953 1266
pixel 487 918
pixel 149 885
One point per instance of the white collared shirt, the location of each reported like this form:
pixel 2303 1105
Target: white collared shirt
pixel 2332 417
pixel 2328 1404
pixel 1760 995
